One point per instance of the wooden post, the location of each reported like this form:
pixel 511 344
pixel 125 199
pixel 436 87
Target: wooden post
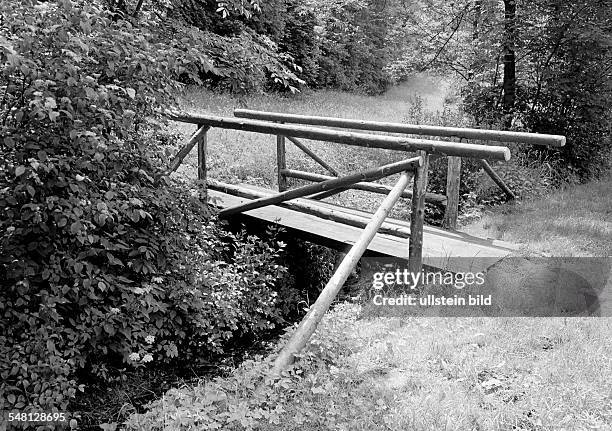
pixel 281 163
pixel 417 216
pixel 310 322
pixel 453 181
pixel 202 143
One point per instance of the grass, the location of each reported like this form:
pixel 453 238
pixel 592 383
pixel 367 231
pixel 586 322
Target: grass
pixel 575 221
pixel 418 374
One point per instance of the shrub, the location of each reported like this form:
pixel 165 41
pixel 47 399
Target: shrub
pixel 102 259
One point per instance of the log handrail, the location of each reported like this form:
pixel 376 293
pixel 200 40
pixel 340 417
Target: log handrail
pixel 349 138
pixel 410 129
pixel 310 322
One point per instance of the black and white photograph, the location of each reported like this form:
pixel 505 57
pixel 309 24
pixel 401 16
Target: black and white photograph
pixel 306 215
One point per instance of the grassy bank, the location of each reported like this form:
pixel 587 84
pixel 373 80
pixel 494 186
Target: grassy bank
pixel 574 221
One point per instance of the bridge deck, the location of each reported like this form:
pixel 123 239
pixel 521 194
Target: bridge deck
pixel 443 249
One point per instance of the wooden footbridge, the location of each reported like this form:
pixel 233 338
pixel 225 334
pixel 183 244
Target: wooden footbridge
pixel 304 212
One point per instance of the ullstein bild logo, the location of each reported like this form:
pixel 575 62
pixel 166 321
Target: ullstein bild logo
pixel 515 286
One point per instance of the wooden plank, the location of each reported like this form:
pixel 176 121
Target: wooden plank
pixel 309 323
pixel 453 182
pixel 417 216
pixel 412 129
pixel 370 174
pixel 313 156
pixel 453 251
pixel 496 178
pixel 281 163
pixel 366 186
pixel 349 138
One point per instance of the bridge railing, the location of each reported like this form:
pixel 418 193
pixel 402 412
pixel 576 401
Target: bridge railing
pixel 454 160
pixel 329 185
pixel 325 186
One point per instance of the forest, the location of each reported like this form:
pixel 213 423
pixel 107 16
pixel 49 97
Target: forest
pixel 119 279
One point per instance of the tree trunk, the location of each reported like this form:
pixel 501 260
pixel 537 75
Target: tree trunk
pixel 138 7
pixel 475 36
pixel 476 19
pixel 509 85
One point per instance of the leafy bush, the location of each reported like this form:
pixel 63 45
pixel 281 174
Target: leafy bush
pixel 102 259
pixel 249 399
pixel 236 57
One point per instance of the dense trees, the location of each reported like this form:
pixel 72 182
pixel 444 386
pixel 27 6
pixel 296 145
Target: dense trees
pixel 542 65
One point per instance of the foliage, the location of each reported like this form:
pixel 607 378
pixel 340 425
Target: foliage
pixel 250 399
pixel 103 260
pixel 241 59
pixel 352 44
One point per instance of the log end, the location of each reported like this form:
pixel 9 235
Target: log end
pixel 506 154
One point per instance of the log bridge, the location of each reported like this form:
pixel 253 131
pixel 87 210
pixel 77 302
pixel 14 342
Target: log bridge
pixel 303 212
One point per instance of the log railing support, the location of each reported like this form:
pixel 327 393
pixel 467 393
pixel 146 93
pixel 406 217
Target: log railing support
pixel 309 324
pixel 180 156
pixel 366 186
pixel 370 174
pixel 313 156
pixel 306 207
pixel 497 179
pixel 417 216
pixel 281 163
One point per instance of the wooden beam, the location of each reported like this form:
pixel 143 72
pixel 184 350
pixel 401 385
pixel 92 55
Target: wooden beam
pixel 497 179
pixel 313 156
pixel 202 172
pixel 417 217
pixel 366 186
pixel 281 163
pixel 329 193
pixel 309 324
pixel 202 143
pixel 370 174
pixel 411 129
pixel 178 159
pixel 349 138
pixel 453 183
pixel 312 209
